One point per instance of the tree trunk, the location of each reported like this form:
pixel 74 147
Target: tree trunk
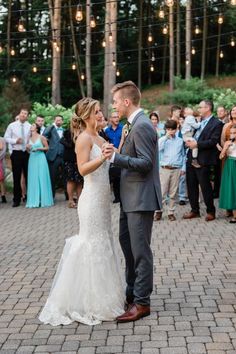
pixel 188 41
pixel 9 36
pixel 55 15
pixel 172 49
pixel 178 55
pixel 204 39
pixel 88 49
pixel 110 53
pixel 140 40
pixel 75 50
pixel 164 60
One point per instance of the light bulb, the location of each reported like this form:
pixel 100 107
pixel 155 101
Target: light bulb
pixel 193 51
pixel 197 29
pixel 14 79
pixel 49 79
pixel 220 19
pixel 12 52
pixel 104 43
pixel 151 68
pixel 170 3
pixel 232 43
pixel 187 62
pixel 92 22
pixel 117 72
pixel 221 54
pixel 1 49
pixel 79 13
pixel 153 57
pixel 34 69
pixel 233 2
pixel 165 30
pixel 161 13
pixel 73 66
pixel 150 38
pixel 21 27
pixel 82 76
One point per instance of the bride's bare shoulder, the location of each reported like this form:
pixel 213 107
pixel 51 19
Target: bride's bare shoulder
pixel 84 141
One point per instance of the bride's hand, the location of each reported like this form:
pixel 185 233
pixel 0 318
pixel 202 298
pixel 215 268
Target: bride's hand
pixel 107 150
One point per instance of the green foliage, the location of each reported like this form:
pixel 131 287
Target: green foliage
pixel 49 112
pixel 189 92
pixel 226 98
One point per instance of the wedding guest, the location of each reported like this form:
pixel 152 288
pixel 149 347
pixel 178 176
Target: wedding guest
pixel 55 152
pixel 40 120
pixel 2 175
pixel 74 181
pixel 103 128
pixel 39 189
pixel 226 129
pixel 206 139
pixel 175 114
pixel 228 182
pixel 172 162
pixel 157 124
pixel 222 114
pixel 17 135
pixel 114 133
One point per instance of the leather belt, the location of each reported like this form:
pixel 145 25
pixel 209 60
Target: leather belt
pixel 169 167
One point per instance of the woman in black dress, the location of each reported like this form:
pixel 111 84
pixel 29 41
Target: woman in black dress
pixel 74 181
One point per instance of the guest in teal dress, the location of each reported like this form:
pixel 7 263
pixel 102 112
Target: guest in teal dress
pixel 157 124
pixel 39 189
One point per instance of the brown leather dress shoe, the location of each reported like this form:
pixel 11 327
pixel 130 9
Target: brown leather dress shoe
pixel 157 215
pixel 191 215
pixel 134 313
pixel 210 217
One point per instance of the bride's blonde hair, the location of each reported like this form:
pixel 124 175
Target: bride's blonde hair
pixel 83 110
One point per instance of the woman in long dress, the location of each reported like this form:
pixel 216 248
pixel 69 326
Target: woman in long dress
pixel 39 189
pixel 88 286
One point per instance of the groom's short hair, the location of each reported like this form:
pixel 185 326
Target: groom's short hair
pixel 129 90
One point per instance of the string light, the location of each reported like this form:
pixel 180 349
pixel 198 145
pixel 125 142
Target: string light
pixel 21 27
pixel 187 62
pixel 14 79
pixel 79 13
pixel 197 29
pixel 1 49
pixel 12 52
pixel 92 22
pixel 165 29
pixel 73 66
pixel 152 68
pixel 82 76
pixel 113 60
pixel 104 43
pixel 220 19
pixel 161 13
pixel 233 2
pixel 150 38
pixel 232 42
pixel 49 79
pixel 153 57
pixel 34 69
pixel 110 37
pixel 117 72
pixel 221 54
pixel 193 51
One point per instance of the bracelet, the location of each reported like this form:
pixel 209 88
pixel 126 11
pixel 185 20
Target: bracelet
pixel 102 158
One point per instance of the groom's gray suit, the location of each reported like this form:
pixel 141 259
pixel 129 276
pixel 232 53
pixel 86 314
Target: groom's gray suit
pixel 140 196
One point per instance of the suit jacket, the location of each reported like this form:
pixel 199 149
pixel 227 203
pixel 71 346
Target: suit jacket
pixel 140 188
pixel 208 153
pixel 55 148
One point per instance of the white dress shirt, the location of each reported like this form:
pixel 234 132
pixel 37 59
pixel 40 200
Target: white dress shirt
pixel 14 132
pixel 59 130
pixel 130 120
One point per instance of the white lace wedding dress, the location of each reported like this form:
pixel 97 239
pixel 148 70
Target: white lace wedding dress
pixel 87 286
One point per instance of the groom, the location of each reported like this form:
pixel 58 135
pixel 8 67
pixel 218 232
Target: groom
pixel 140 196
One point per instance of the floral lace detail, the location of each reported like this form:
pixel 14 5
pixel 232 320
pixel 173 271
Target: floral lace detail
pixel 87 286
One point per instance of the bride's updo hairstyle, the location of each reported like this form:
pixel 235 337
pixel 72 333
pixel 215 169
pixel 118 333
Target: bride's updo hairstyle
pixel 83 110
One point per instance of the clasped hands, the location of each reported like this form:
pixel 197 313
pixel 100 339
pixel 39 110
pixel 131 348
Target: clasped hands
pixel 107 150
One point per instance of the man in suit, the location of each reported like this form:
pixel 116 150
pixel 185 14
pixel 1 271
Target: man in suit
pixel 206 139
pixel 140 194
pixel 54 155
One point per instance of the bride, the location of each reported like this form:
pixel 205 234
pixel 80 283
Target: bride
pixel 87 286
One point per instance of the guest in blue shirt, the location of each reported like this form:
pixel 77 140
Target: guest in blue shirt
pixel 172 162
pixel 114 133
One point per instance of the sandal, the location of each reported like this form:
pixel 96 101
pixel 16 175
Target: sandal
pixel 71 204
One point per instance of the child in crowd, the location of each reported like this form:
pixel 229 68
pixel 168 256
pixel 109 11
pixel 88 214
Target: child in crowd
pixel 2 176
pixel 188 129
pixel 228 181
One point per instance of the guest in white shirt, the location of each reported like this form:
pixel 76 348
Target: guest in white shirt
pixel 40 120
pixel 17 135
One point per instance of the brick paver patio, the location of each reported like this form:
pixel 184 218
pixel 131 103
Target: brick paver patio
pixel 193 303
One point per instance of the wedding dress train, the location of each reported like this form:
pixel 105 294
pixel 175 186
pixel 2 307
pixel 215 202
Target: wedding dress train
pixel 87 286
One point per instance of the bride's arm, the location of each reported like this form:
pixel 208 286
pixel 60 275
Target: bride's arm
pixel 82 149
